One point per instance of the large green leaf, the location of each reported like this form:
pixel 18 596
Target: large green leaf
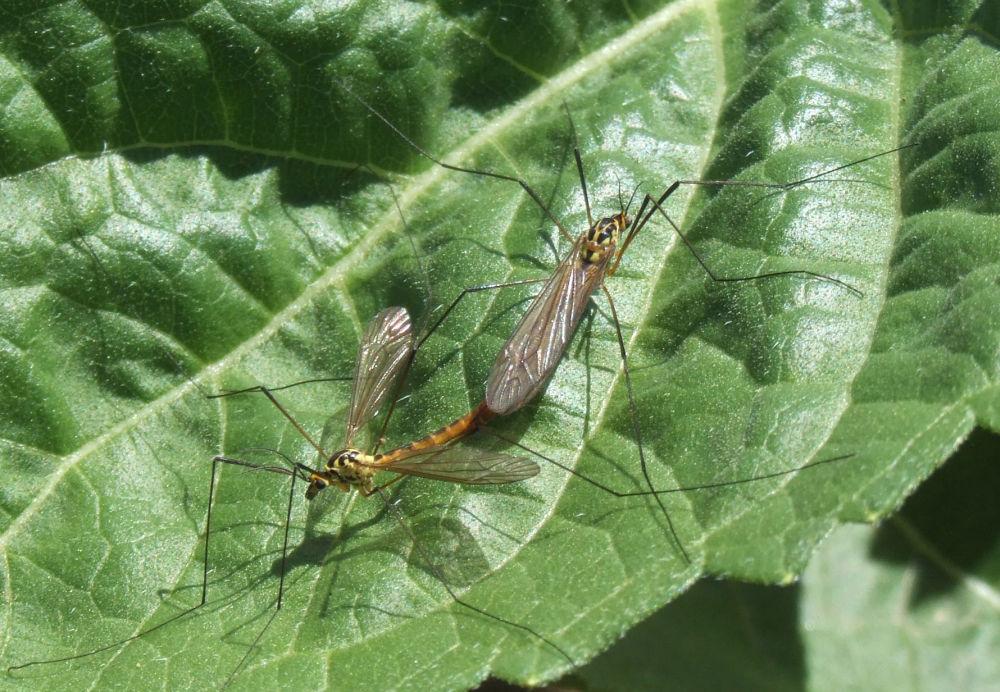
pixel 182 215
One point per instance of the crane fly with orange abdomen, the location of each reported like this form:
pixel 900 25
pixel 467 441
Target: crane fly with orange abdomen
pixel 386 350
pixel 385 353
pixel 532 353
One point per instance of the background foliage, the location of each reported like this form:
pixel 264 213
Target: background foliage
pixel 181 213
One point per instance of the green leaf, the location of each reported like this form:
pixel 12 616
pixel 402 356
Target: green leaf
pixel 918 598
pixel 911 603
pixel 182 215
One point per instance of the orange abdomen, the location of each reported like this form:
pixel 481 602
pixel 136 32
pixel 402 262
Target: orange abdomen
pixel 458 428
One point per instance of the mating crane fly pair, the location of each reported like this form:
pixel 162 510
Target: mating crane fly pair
pixel 518 375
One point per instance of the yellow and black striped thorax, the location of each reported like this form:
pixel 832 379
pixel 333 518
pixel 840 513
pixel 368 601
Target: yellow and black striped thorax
pixel 345 468
pixel 603 237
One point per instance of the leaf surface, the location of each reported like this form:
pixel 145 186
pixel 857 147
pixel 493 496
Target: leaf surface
pixel 183 215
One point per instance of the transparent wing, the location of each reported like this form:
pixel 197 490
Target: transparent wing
pixel 464 465
pixel 532 353
pixel 385 350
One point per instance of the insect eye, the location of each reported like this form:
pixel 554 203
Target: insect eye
pixel 316 484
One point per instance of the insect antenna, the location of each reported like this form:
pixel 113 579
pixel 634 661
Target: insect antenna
pixel 579 166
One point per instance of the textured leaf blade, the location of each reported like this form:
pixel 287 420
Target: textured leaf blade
pixel 222 226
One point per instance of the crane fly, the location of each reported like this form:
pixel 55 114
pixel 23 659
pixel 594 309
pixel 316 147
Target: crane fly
pixel 385 353
pixel 518 375
pixel 530 356
pixel 386 350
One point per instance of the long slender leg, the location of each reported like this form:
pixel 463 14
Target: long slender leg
pixel 435 570
pixel 380 488
pixel 281 582
pixel 253 645
pixel 818 177
pixel 298 426
pixel 259 388
pixel 284 541
pixel 285 412
pixel 293 472
pixel 204 577
pixel 662 491
pixel 468 291
pixel 489 174
pixel 636 428
pixel 734 279
pixel 655 205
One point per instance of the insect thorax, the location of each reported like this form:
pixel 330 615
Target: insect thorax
pixel 603 237
pixel 346 469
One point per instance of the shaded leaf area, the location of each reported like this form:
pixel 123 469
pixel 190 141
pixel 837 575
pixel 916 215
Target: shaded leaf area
pixel 184 214
pixel 912 603
pixel 80 78
pixel 740 636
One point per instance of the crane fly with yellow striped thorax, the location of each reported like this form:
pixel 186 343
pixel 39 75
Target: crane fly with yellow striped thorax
pixel 530 356
pixel 385 353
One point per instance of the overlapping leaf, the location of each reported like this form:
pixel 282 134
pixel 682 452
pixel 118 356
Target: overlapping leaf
pixel 913 599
